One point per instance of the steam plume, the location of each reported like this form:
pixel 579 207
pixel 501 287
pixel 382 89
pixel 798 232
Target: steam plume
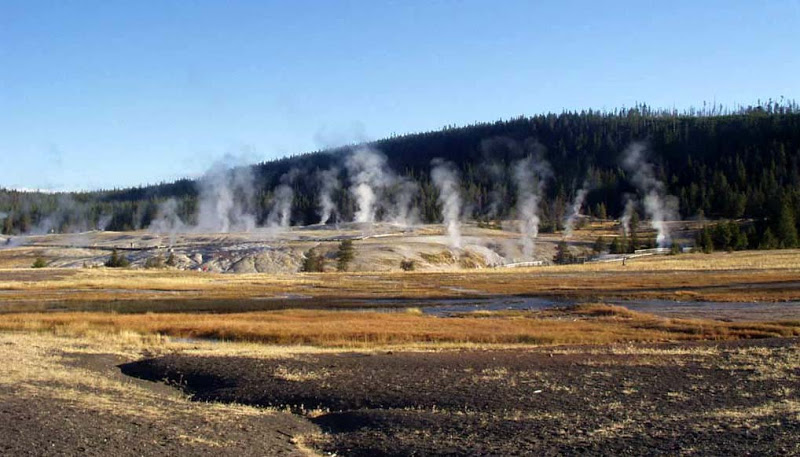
pixel 496 153
pixel 328 184
pixel 225 199
pixel 625 220
pixel 445 178
pixel 103 222
pixel 68 215
pixel 281 214
pixel 575 209
pixel 498 174
pixel 368 176
pixel 530 175
pixel 168 221
pixel 658 206
pixel 402 210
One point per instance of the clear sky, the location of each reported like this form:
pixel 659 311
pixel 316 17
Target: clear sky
pixel 113 93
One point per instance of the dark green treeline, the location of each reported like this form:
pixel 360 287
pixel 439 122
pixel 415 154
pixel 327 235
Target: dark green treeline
pixel 720 165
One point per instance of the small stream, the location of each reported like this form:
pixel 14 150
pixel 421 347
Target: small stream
pixel 729 311
pixel 733 311
pixel 439 307
pixel 450 306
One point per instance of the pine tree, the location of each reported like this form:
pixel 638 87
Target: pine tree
pixel 738 236
pixel 722 236
pixel 117 261
pixel 600 245
pixel 633 243
pixel 344 255
pixel 634 223
pixel 600 211
pixel 786 228
pixel 39 263
pixel 736 165
pixel 703 241
pixel 768 240
pixel 313 262
pixel 616 246
pixel 8 225
pixel 562 253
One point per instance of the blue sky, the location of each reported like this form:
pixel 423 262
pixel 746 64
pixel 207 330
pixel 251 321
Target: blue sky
pixel 98 94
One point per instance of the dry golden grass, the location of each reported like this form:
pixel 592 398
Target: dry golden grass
pixel 782 408
pixel 588 324
pixel 740 276
pixel 34 365
pixel 41 370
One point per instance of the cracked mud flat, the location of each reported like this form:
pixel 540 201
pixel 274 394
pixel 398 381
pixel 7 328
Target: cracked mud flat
pixel 731 398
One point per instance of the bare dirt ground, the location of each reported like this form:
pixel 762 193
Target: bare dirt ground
pixel 733 398
pixel 114 394
pixel 66 397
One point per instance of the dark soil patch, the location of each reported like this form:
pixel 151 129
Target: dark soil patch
pixel 46 426
pixel 520 402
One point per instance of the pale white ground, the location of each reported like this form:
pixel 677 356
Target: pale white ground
pixel 378 247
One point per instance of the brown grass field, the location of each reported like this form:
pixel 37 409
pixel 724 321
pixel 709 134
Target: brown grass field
pixel 583 324
pixel 61 391
pixel 739 276
pixel 64 395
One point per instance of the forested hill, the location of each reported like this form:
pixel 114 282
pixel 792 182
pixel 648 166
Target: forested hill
pixel 742 164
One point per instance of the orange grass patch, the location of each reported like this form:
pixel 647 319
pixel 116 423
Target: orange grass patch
pixel 589 324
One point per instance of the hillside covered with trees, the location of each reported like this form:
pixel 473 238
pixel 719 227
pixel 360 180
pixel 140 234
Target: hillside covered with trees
pixel 740 164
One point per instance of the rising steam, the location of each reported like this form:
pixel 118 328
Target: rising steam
pixel 280 217
pixel 445 178
pixel 496 153
pixel 625 220
pixel 328 184
pixel 658 206
pixel 530 176
pixel 375 187
pixel 402 210
pixel 168 221
pixel 574 210
pixel 369 175
pixel 225 199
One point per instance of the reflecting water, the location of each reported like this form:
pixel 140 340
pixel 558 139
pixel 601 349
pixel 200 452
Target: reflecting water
pixel 733 311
